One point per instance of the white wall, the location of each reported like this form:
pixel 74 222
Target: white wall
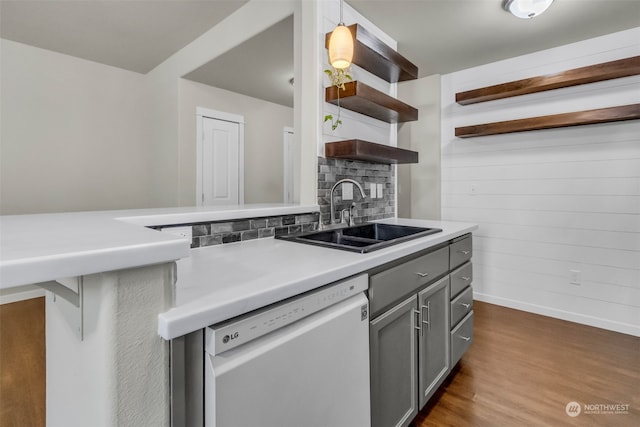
pixel 263 140
pixel 419 184
pixel 73 137
pixel 164 85
pixel 551 201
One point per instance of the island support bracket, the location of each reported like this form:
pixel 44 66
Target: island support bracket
pixel 68 297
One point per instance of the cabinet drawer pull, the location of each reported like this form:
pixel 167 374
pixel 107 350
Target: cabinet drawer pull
pixel 465 305
pixel 422 274
pixel 428 321
pixel 418 323
pixel 465 278
pixel 464 252
pixel 464 338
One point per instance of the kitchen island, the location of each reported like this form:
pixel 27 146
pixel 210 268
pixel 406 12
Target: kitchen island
pixel 125 290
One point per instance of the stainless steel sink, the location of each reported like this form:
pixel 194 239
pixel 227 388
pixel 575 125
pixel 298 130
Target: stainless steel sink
pixel 362 238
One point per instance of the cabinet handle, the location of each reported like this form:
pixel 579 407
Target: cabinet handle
pixel 418 326
pixel 428 321
pixel 464 338
pixel 465 278
pixel 465 252
pixel 465 305
pixel 422 274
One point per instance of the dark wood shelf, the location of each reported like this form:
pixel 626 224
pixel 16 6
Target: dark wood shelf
pixel 356 149
pixel 378 58
pixel 577 76
pixel 366 100
pixel 588 117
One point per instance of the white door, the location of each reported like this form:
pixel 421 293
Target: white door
pixel 288 164
pixel 219 162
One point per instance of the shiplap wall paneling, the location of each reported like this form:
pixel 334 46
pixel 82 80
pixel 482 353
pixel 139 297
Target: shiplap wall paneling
pixel 554 206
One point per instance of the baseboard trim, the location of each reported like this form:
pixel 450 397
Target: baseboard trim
pixel 624 328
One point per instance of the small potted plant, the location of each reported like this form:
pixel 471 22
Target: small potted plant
pixel 338 78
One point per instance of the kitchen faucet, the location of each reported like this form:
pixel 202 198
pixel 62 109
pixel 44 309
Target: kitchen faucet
pixel 331 212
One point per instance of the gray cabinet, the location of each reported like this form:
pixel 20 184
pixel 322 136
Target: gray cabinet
pixel 409 335
pixel 461 251
pixel 433 348
pixel 422 323
pixel 387 287
pixel 461 338
pixel 393 361
pixel 461 311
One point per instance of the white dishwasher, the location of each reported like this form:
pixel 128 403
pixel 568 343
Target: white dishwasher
pixel 300 363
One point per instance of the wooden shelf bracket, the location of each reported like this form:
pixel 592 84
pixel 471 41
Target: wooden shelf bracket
pixel 601 115
pixel 377 57
pixel 577 76
pixel 356 149
pixel 366 100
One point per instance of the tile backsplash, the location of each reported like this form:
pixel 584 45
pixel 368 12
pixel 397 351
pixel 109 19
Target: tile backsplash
pixel 229 231
pixel 331 171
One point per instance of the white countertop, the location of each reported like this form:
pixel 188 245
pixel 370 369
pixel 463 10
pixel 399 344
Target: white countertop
pixel 44 247
pixel 217 283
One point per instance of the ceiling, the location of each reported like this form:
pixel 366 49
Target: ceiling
pixel 442 36
pixel 439 36
pixel 136 35
pixel 269 80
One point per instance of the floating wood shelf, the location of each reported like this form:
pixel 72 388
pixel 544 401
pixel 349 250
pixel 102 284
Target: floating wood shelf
pixel 577 76
pixel 588 117
pixel 366 100
pixel 378 58
pixel 356 149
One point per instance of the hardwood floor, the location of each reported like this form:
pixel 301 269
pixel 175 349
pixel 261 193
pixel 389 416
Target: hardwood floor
pixel 22 364
pixel 523 370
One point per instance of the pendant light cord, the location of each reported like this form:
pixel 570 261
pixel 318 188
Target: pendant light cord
pixel 341 3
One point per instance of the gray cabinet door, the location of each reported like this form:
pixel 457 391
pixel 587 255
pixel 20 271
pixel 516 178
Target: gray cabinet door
pixel 433 347
pixel 393 366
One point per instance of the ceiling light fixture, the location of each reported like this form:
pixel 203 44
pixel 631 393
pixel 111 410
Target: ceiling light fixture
pixel 341 45
pixel 526 9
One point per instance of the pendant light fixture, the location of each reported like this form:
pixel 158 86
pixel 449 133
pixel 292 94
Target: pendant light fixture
pixel 341 45
pixel 526 9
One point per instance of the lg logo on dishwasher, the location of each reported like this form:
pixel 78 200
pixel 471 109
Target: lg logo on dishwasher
pixel 229 337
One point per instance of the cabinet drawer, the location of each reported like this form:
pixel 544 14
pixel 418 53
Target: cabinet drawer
pixel 461 338
pixel 460 252
pixel 461 306
pixel 461 278
pixel 397 282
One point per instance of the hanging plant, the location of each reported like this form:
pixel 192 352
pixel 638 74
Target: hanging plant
pixel 338 78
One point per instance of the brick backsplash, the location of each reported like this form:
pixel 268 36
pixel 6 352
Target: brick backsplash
pixel 331 171
pixel 221 232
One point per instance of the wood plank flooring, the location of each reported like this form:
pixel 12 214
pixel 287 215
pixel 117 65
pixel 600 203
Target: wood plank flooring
pixel 523 370
pixel 22 364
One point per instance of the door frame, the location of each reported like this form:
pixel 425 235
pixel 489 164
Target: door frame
pixel 287 163
pixel 202 113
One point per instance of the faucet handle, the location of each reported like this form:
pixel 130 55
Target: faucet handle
pixel 352 217
pixel 346 212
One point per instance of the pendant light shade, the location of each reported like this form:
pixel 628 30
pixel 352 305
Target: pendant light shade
pixel 526 9
pixel 341 47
